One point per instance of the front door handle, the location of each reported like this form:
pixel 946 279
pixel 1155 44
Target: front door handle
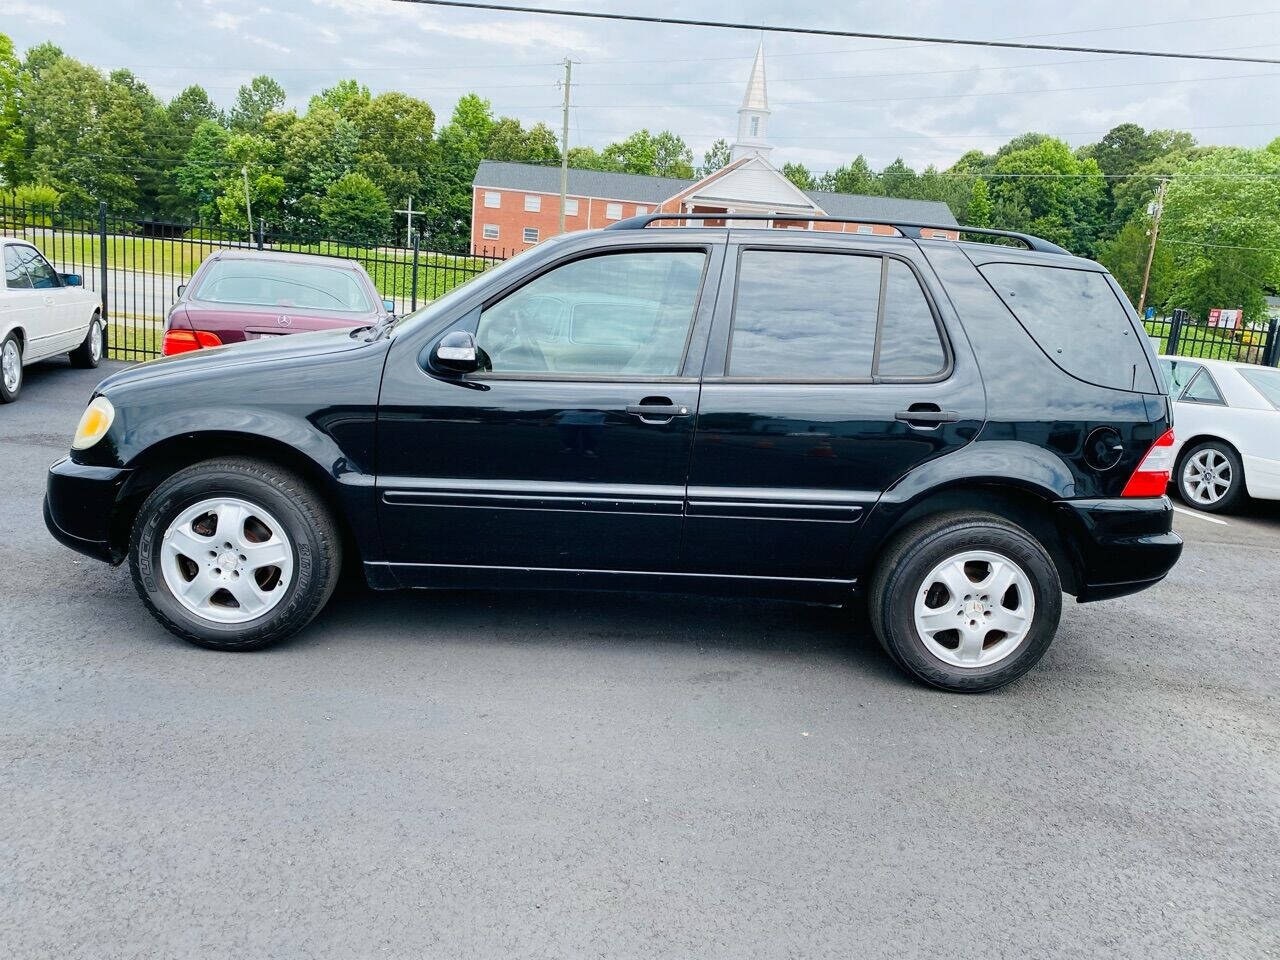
pixel 926 416
pixel 657 410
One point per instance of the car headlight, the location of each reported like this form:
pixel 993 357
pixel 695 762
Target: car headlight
pixel 94 423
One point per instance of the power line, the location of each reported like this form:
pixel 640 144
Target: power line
pixel 937 96
pixel 1220 246
pixel 826 32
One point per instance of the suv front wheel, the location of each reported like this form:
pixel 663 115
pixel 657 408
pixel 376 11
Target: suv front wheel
pixel 234 554
pixel 966 601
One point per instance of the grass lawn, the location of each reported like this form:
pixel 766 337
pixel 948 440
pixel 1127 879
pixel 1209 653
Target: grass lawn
pixel 132 340
pixel 1207 343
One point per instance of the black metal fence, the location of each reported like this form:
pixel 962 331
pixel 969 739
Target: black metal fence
pixel 1179 334
pixel 136 264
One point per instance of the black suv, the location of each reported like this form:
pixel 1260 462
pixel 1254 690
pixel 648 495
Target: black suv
pixel 956 431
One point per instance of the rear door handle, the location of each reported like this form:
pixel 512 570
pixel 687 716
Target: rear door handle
pixel 926 416
pixel 657 410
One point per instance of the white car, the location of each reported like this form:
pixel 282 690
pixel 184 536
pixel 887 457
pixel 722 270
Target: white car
pixel 43 313
pixel 1226 424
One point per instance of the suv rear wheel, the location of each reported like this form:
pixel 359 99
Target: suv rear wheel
pixel 966 601
pixel 234 554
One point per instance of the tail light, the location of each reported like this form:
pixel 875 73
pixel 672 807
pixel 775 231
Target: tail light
pixel 181 341
pixel 1152 476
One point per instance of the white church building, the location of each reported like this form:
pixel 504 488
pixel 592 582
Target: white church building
pixel 515 205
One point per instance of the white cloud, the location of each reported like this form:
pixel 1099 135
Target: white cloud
pixel 41 13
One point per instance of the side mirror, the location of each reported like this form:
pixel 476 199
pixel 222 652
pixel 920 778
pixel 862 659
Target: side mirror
pixel 71 280
pixel 389 306
pixel 182 289
pixel 456 352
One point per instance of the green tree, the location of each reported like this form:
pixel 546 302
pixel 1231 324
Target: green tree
pixel 855 177
pixel 356 211
pixel 340 97
pixel 12 137
pixel 979 212
pixel 799 174
pixel 254 100
pixel 1222 223
pixel 717 157
pixel 1063 196
pixel 458 150
pixel 1125 255
pixel 203 168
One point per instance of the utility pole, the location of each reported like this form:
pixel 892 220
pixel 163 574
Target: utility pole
pixel 248 210
pixel 564 140
pixel 1157 210
pixel 408 230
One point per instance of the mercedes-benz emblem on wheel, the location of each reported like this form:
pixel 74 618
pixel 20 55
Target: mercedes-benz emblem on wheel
pixel 283 320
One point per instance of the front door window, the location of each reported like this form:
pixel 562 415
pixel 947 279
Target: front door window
pixel 618 315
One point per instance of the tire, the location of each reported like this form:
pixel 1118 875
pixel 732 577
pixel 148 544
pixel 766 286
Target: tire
pixel 1219 459
pixel 983 657
pixel 11 374
pixel 205 526
pixel 89 354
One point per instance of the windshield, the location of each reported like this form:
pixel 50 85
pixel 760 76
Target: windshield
pixel 268 283
pixel 1266 382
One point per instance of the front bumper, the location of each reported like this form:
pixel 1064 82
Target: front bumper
pixel 79 503
pixel 1119 545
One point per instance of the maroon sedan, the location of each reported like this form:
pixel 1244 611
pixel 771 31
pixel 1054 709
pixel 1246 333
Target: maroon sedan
pixel 248 294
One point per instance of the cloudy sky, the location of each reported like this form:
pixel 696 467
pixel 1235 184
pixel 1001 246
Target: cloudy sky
pixel 831 98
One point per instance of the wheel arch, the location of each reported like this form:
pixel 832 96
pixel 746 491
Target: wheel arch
pixel 1026 504
pixel 162 459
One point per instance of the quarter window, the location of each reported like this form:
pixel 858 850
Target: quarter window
pixel 623 314
pixel 15 276
pixel 1202 389
pixel 1077 320
pixel 801 315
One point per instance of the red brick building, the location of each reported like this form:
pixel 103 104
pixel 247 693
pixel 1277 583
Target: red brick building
pixel 515 205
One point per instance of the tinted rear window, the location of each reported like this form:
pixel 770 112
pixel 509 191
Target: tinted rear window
pixel 269 283
pixel 1077 320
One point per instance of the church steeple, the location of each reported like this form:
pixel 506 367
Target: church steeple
pixel 753 115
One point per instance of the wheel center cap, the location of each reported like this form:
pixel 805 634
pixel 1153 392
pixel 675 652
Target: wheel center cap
pixel 974 608
pixel 228 561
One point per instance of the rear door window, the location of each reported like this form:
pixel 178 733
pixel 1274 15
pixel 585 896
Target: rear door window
pixel 807 315
pixel 1077 320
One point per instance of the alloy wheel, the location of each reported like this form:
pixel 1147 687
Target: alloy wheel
pixel 1206 477
pixel 227 560
pixel 95 341
pixel 11 366
pixel 974 609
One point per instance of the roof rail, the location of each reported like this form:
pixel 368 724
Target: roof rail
pixel 908 229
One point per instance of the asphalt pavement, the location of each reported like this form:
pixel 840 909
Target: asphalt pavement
pixel 468 774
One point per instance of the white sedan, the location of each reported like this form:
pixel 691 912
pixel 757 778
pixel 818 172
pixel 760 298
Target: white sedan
pixel 1226 421
pixel 43 313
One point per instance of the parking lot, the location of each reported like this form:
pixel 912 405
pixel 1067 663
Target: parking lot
pixel 555 775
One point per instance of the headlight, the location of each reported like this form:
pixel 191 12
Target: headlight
pixel 94 423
